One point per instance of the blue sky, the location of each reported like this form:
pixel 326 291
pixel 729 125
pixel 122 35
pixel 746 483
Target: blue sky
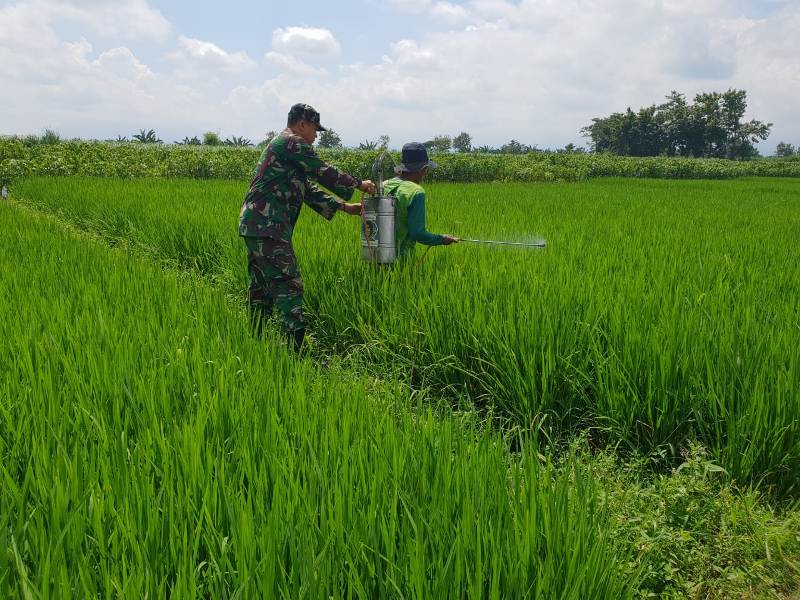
pixel 365 26
pixel 531 70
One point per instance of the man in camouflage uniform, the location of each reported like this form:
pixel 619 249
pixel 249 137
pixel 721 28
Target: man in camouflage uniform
pixel 282 181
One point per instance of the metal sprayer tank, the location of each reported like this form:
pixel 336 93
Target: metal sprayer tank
pixel 378 239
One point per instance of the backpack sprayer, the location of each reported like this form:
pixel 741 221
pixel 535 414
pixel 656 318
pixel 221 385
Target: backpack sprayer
pixel 378 218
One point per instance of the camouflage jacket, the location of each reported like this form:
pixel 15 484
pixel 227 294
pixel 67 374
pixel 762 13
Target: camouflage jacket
pixel 281 184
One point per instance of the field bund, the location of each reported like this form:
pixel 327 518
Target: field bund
pixel 661 315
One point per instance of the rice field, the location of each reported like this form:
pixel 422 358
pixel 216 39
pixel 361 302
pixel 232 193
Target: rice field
pixel 150 446
pixel 659 312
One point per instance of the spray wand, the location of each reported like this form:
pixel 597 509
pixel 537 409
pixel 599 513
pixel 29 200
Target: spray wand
pixel 530 245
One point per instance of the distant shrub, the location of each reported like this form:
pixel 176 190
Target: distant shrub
pixel 211 138
pixel 50 137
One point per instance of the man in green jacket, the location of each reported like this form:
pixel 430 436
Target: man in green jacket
pixel 282 181
pixel 410 226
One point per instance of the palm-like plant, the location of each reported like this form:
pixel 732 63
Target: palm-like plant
pixel 238 141
pixel 147 137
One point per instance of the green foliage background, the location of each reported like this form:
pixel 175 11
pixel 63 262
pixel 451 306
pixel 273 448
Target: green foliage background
pixel 101 159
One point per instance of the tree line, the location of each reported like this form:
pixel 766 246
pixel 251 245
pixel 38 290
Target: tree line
pixel 709 127
pixel 786 150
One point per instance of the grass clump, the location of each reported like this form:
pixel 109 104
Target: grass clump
pixel 696 534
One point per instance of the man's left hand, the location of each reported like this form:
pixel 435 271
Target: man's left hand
pixel 368 187
pixel 353 208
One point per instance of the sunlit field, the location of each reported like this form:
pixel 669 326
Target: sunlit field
pixel 614 415
pixel 658 312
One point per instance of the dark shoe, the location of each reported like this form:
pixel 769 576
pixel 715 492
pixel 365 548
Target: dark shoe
pixel 296 337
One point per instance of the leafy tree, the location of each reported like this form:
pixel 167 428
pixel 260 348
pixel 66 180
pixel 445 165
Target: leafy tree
pixel 628 133
pixel 724 134
pixel 267 138
pixel 146 137
pixel 572 149
pixel 383 142
pixel 440 143
pixel 710 127
pixel 485 149
pixel 122 138
pixel 329 139
pixel 785 149
pixel 190 141
pixel 211 138
pixel 462 142
pixel 515 147
pixel 683 132
pixel 240 142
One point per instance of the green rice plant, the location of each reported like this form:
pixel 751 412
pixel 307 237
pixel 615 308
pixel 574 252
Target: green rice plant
pixel 151 447
pixel 661 312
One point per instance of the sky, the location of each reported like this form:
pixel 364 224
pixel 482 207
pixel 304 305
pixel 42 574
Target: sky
pixel 531 70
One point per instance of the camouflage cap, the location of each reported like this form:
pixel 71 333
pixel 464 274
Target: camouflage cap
pixel 307 113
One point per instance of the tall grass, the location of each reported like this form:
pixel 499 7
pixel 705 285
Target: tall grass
pixel 659 313
pixel 150 447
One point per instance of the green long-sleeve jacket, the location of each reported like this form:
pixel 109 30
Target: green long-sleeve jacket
pixel 410 226
pixel 283 181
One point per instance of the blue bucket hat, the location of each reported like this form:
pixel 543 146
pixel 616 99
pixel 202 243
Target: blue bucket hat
pixel 414 158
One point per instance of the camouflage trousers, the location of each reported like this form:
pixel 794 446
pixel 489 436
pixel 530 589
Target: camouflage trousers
pixel 274 283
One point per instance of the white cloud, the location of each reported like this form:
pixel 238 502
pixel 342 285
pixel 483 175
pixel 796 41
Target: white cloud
pixel 502 10
pixel 290 63
pixel 540 70
pixel 451 13
pixel 533 70
pixel 411 6
pixel 121 63
pixel 206 55
pixel 125 19
pixel 447 12
pixel 310 41
pixel 58 83
pixel 767 64
pixel 407 53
